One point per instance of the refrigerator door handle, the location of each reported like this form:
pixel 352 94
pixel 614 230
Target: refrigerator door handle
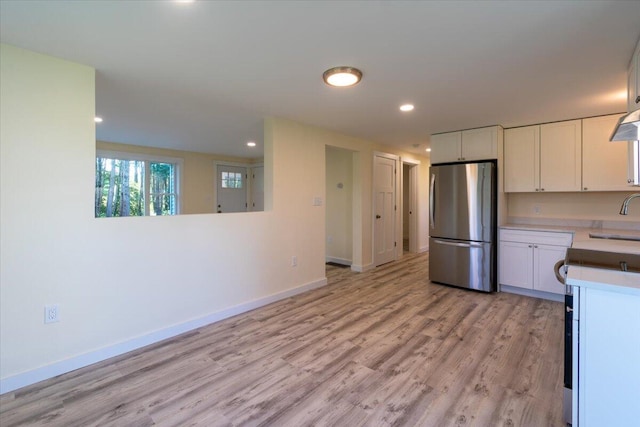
pixel 432 189
pixel 459 244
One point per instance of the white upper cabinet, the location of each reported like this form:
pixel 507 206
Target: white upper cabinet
pixel 604 163
pixel 633 84
pixel 633 103
pixel 480 144
pixel 466 145
pixel 446 147
pixel 561 156
pixel 543 157
pixel 522 159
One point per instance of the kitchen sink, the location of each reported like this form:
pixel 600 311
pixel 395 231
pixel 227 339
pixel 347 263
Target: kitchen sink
pixel 615 237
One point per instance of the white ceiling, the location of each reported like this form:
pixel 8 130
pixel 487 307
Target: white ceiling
pixel 202 76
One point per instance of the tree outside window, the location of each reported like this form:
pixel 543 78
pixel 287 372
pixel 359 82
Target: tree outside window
pixel 126 187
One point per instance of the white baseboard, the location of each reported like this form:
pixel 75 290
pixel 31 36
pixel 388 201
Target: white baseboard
pixel 49 371
pixel 336 260
pixel 423 249
pixel 362 268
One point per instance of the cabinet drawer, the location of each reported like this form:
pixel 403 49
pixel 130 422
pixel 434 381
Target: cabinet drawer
pixel 540 237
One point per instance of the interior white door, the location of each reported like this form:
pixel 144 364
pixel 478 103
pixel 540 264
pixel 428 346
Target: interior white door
pixel 231 189
pixel 384 188
pixel 413 207
pixel 257 188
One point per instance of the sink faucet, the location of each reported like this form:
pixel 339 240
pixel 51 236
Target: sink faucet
pixel 625 205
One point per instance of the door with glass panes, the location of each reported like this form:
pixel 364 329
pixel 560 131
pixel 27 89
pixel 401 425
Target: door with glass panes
pixel 231 189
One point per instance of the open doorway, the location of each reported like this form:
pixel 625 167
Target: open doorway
pixel 339 206
pixel 409 207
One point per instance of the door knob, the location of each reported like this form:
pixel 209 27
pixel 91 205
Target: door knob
pixel 378 217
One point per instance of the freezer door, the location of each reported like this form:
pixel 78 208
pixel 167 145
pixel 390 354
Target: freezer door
pixel 462 201
pixel 462 263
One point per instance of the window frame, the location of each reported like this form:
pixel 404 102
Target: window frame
pixel 177 162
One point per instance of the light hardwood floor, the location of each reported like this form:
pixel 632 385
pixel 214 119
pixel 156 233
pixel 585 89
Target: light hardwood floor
pixel 381 348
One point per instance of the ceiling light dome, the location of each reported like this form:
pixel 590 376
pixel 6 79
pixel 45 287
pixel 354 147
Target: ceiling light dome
pixel 342 76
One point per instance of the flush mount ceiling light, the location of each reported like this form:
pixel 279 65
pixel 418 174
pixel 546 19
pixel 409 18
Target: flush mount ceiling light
pixel 407 107
pixel 97 119
pixel 251 144
pixel 342 76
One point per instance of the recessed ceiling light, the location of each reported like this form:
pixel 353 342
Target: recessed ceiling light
pixel 428 150
pixel 251 144
pixel 342 76
pixel 97 119
pixel 407 107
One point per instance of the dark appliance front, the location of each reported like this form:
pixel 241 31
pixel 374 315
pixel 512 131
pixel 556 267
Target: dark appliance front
pixel 568 357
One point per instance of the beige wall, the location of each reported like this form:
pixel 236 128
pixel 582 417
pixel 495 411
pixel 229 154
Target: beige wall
pixel 603 206
pixel 339 201
pixel 126 282
pixel 129 281
pixel 198 173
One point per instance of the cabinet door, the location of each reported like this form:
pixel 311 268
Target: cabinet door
pixel 480 144
pixel 445 147
pixel 516 264
pixel 522 159
pixel 604 163
pixel 634 163
pixel 635 101
pixel 561 156
pixel 544 259
pixel 632 85
pixel 634 80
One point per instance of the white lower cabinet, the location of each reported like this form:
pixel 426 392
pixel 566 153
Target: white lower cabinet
pixel 527 258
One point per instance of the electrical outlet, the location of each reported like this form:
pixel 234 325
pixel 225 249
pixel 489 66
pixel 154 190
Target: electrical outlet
pixel 294 261
pixel 51 313
pixel 536 210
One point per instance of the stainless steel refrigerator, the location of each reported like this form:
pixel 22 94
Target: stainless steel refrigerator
pixel 462 225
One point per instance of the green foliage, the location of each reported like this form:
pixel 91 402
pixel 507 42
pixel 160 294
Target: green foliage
pixel 120 188
pixel 112 183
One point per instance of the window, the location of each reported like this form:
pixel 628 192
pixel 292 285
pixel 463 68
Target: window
pixel 231 180
pixel 129 185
